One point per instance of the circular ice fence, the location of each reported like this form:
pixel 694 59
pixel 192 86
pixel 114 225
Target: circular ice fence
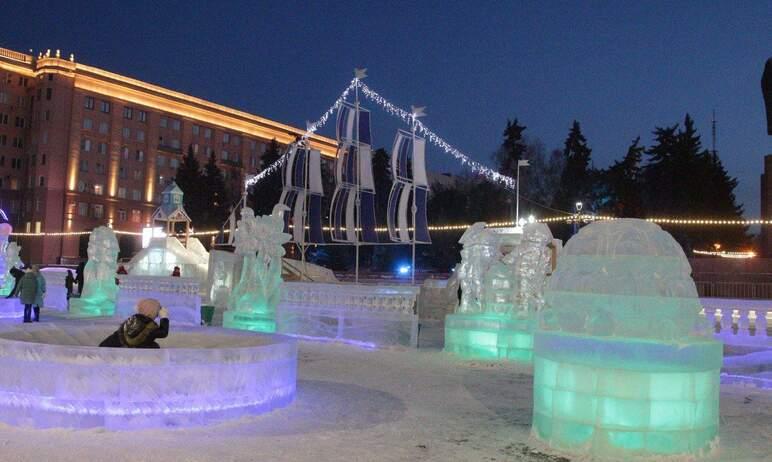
pixel 54 376
pixel 11 308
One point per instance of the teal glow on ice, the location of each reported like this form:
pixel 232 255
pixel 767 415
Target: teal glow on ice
pixel 623 364
pixel 100 291
pixel 252 303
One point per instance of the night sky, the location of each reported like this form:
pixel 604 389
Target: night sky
pixel 620 68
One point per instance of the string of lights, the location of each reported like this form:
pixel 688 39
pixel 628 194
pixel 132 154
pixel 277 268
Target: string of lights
pixel 423 130
pixel 310 130
pixel 463 226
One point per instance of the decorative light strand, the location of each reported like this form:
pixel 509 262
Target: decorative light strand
pixel 422 129
pixel 723 254
pixel 311 129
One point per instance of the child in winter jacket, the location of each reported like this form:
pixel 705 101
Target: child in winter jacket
pixel 140 330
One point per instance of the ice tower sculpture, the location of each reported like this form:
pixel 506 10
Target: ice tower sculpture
pixel 624 365
pixel 504 297
pixel 100 290
pixel 5 231
pixel 260 240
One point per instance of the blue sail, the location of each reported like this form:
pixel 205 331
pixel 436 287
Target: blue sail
pixel 406 212
pixel 302 193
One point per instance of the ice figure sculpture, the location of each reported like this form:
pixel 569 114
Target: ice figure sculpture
pixel 623 364
pixel 260 240
pixel 11 260
pixel 502 317
pixel 481 249
pixel 100 290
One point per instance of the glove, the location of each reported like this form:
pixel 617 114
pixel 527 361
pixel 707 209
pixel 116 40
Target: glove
pixel 163 313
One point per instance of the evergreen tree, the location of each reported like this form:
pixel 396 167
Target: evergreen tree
pixel 576 179
pixel 263 196
pixel 684 180
pixel 189 180
pixel 623 182
pixel 215 202
pixel 512 149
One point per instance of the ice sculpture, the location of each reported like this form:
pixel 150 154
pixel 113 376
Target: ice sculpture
pixel 12 260
pixel 99 292
pixel 623 364
pixel 260 240
pixel 500 315
pixel 480 250
pixel 54 375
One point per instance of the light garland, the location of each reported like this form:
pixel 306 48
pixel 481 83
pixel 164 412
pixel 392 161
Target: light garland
pixel 422 129
pixel 723 254
pixel 311 129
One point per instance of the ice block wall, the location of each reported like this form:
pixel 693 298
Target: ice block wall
pixel 56 376
pixel 623 364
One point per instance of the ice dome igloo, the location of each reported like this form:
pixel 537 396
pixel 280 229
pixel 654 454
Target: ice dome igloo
pixel 623 363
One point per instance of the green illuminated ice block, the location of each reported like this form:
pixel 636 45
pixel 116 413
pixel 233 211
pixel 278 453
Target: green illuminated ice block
pixel 489 336
pixel 624 367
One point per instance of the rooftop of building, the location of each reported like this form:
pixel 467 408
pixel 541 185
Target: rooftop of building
pixel 130 90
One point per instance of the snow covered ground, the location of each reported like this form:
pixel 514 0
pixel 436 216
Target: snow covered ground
pixel 359 405
pixel 390 405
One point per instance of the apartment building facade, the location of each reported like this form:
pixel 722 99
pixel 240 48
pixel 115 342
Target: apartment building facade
pixel 82 147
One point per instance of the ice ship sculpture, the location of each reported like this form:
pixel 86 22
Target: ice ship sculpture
pixel 500 295
pixel 100 290
pixel 623 363
pixel 260 240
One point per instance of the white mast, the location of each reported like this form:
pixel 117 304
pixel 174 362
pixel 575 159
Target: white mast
pixel 415 114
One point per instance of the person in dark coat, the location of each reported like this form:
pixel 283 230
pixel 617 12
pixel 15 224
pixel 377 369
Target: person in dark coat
pixel 28 288
pixel 140 330
pixel 176 272
pixel 80 276
pixel 17 275
pixel 40 291
pixel 69 281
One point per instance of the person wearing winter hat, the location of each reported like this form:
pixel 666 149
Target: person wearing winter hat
pixel 140 330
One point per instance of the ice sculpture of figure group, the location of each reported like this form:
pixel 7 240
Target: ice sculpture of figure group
pixel 524 270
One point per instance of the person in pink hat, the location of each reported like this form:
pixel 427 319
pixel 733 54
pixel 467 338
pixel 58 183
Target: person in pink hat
pixel 140 330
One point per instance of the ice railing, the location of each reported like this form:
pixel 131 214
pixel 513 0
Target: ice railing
pixel 736 320
pixel 398 299
pixel 159 284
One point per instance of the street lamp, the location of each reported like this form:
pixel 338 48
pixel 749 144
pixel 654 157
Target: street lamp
pixel 520 163
pixel 578 206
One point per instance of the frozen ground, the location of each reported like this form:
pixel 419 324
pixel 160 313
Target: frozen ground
pixel 359 405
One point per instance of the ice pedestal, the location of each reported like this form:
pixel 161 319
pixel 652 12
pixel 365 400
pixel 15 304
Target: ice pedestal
pixel 56 376
pixel 255 322
pixel 625 397
pixel 91 307
pixel 11 308
pixel 489 336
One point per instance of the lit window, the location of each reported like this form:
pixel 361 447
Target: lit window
pixel 98 189
pixel 136 216
pixel 85 145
